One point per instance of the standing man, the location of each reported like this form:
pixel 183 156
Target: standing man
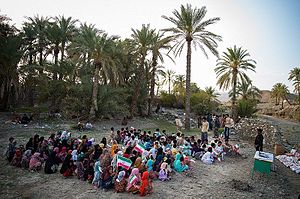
pixel 259 140
pixel 228 124
pixel 204 131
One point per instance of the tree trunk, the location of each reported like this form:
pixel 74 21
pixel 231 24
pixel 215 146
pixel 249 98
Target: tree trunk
pixel 152 85
pixel 41 61
pixel 94 106
pixel 56 51
pixel 31 88
pixel 281 103
pixel 169 79
pixel 234 108
pixel 188 84
pixel 62 51
pixel 139 76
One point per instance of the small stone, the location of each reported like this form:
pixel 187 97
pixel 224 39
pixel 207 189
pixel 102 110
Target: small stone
pixel 260 195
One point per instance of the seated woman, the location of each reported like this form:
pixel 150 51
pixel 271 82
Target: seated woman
pixel 107 178
pixel 134 181
pixel 80 167
pixel 146 187
pixel 89 172
pixel 35 162
pixel 163 173
pixel 179 164
pixel 159 159
pixel 67 166
pixel 208 157
pixel 97 174
pixel 52 163
pixel 120 182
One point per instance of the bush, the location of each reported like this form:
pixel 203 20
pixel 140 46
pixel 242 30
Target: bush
pixel 201 104
pixel 246 108
pixel 168 100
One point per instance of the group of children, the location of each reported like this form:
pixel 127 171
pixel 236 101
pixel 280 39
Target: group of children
pixel 150 156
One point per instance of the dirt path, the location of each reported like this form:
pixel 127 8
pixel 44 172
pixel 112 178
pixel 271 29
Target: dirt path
pixel 220 180
pixel 290 130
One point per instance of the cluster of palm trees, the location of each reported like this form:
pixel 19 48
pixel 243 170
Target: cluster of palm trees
pixel 67 63
pixel 280 91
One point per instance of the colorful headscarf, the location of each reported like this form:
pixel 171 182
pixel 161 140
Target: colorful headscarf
pixel 121 176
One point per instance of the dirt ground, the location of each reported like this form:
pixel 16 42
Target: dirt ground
pixel 228 179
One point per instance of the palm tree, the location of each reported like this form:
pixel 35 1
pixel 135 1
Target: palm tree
pixel 179 87
pixel 67 30
pixel 143 39
pixel 96 48
pixel 247 91
pixel 211 92
pixel 294 76
pixel 190 29
pixel 40 27
pixel 280 91
pixel 159 44
pixel 169 78
pixel 230 70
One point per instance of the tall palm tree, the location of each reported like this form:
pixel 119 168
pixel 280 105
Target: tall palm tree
pixel 294 76
pixel 96 47
pixel 40 27
pixel 67 28
pixel 190 29
pixel 280 91
pixel 231 69
pixel 211 92
pixel 143 39
pixel 169 78
pixel 159 44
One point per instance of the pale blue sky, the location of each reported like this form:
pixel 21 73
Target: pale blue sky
pixel 268 29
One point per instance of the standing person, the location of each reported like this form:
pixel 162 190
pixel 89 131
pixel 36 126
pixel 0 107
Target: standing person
pixel 11 149
pixel 204 130
pixel 259 140
pixel 228 125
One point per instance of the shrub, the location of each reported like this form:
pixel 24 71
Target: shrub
pixel 246 108
pixel 168 100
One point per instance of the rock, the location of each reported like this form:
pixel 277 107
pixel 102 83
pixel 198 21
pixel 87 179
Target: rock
pixel 260 194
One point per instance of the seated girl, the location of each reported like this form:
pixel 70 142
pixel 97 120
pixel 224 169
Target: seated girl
pixel 163 173
pixel 35 162
pixel 208 157
pixel 26 158
pixel 179 164
pixel 16 161
pixel 134 181
pixel 120 182
pixel 146 187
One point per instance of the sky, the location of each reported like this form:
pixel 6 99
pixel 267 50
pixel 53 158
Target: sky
pixel 268 29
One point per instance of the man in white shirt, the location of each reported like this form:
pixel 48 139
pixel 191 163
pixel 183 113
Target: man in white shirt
pixel 228 125
pixel 204 131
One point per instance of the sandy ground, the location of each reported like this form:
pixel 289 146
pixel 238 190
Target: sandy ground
pixel 228 179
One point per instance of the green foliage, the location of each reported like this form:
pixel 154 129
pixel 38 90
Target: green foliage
pixel 201 103
pixel 168 100
pixel 112 101
pixel 246 107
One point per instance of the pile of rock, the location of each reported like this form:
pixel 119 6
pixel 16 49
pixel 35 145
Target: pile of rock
pixel 171 114
pixel 247 128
